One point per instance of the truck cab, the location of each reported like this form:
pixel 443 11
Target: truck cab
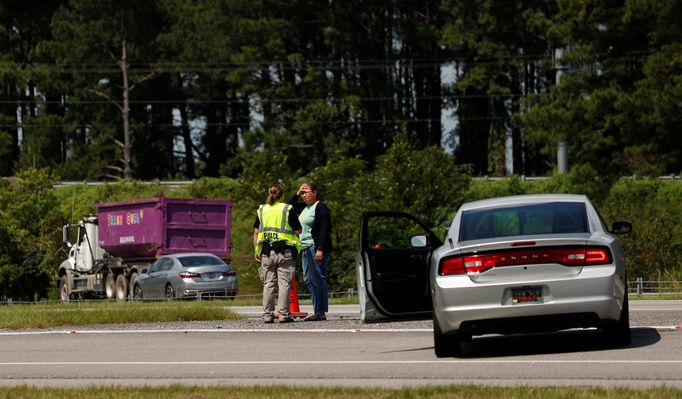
pixel 80 272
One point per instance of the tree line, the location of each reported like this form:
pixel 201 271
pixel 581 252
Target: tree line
pixel 176 89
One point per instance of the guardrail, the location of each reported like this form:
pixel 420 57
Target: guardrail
pixel 165 183
pixel 642 287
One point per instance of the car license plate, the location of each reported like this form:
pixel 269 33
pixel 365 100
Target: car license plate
pixel 210 276
pixel 527 295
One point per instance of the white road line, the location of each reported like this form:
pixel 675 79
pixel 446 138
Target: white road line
pixel 220 330
pixel 262 330
pixel 350 362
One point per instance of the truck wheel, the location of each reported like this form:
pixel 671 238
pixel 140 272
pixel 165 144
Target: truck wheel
pixel 64 290
pixel 110 286
pixel 121 288
pixel 170 292
pixel 133 280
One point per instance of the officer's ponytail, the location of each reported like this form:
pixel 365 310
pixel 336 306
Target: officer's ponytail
pixel 274 194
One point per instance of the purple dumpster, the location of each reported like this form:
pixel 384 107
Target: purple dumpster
pixel 142 230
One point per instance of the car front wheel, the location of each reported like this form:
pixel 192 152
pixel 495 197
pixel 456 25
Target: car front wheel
pixel 137 292
pixel 445 345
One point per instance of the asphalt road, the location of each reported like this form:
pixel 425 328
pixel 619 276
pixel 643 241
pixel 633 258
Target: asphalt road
pixel 340 352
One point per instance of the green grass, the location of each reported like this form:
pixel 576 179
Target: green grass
pixel 44 315
pixel 469 392
pixel 82 313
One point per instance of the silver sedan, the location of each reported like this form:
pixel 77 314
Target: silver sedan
pixel 531 263
pixel 185 276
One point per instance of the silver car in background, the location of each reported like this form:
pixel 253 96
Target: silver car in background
pixel 187 275
pixel 533 263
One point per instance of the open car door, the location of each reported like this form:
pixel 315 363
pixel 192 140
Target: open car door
pixel 393 266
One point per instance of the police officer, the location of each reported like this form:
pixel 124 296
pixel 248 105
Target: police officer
pixel 275 237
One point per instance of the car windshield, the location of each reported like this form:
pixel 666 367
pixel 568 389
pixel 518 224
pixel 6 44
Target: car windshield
pixel 520 220
pixel 190 261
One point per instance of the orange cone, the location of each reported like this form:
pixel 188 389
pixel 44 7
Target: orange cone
pixel 294 310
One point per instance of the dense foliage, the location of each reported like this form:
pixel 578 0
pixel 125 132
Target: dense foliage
pixel 157 89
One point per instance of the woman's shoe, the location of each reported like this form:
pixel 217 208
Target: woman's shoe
pixel 316 317
pixel 312 317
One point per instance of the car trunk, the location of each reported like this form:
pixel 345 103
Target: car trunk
pixel 525 258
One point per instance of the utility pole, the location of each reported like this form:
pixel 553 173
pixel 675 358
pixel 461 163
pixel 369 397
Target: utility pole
pixel 124 109
pixel 562 145
pixel 125 112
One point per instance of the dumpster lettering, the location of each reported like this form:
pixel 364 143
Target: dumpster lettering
pixel 134 218
pixel 115 220
pixel 126 239
pixel 130 218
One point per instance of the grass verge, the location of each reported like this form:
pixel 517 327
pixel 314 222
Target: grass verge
pixel 83 313
pixel 469 392
pixel 44 315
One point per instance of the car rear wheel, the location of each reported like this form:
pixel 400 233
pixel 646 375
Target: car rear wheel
pixel 445 345
pixel 619 332
pixel 170 292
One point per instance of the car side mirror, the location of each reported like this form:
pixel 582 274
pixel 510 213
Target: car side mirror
pixel 66 232
pixel 418 241
pixel 621 227
pixel 144 271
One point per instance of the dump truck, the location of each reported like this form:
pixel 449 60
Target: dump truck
pixel 123 238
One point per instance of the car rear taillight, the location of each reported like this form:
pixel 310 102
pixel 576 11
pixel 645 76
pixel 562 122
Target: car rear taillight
pixel 449 266
pixel 479 263
pixel 189 275
pixel 230 273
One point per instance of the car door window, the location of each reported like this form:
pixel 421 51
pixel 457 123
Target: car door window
pixel 167 264
pixel 392 233
pixel 156 266
pixel 397 271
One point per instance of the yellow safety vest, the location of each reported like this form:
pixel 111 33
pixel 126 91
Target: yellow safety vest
pixel 274 226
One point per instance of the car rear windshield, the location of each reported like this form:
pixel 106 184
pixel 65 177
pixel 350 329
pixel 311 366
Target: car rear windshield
pixel 190 261
pixel 520 220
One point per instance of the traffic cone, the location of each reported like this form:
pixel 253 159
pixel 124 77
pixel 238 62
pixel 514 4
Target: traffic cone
pixel 294 310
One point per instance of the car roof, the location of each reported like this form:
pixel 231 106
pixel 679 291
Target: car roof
pixel 186 254
pixel 523 199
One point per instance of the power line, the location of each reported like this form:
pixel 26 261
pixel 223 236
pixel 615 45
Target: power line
pixel 190 101
pixel 328 65
pixel 252 124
